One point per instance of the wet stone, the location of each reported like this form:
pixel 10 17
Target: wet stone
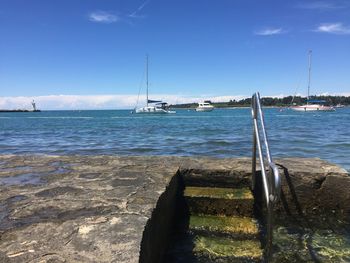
pixel 56 191
pixel 22 179
pixel 90 175
pixel 15 198
pixel 125 181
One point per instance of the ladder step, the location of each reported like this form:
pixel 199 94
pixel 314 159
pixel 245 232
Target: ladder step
pixel 218 249
pixel 224 201
pixel 218 193
pixel 234 227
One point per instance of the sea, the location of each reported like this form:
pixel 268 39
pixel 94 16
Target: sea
pixel 220 133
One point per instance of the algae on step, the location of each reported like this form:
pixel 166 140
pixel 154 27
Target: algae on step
pixel 294 244
pixel 219 201
pixel 219 247
pixel 219 193
pixel 235 226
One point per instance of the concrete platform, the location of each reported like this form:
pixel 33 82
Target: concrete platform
pixel 119 209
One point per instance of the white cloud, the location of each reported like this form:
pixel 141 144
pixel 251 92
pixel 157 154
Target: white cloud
pixel 276 96
pixel 321 5
pixel 346 94
pixel 269 31
pixel 74 102
pixel 103 17
pixel 333 28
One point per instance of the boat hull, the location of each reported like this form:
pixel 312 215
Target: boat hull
pixel 315 107
pixel 153 110
pixel 204 109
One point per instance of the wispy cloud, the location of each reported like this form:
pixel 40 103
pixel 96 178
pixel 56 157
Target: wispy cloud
pixel 333 28
pixel 138 10
pixel 103 17
pixel 321 5
pixel 110 17
pixel 269 31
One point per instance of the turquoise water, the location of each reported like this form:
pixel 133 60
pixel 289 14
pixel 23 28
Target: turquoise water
pixel 221 133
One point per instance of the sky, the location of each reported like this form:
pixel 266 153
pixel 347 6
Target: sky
pixel 90 54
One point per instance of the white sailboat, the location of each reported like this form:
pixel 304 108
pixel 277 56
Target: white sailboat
pixel 153 106
pixel 312 105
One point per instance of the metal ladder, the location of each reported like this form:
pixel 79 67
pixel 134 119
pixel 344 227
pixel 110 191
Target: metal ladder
pixel 271 181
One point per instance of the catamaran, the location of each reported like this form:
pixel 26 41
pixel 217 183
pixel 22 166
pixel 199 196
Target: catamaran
pixel 312 105
pixel 153 106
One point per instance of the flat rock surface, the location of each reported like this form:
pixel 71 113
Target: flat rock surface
pixel 78 209
pixel 95 208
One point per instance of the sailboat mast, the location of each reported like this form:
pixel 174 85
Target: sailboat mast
pixel 147 79
pixel 308 87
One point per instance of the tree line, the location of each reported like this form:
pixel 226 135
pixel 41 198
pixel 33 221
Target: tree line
pixel 278 102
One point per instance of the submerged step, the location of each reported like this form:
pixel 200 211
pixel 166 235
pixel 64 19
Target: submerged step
pixel 219 249
pixel 224 201
pixel 218 192
pixel 236 227
pixel 194 248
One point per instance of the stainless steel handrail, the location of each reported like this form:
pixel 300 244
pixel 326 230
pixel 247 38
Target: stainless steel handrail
pixel 270 178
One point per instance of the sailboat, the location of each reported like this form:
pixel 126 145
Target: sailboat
pixel 312 105
pixel 153 106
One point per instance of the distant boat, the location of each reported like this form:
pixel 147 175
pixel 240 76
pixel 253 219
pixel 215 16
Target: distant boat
pixel 312 105
pixel 153 106
pixel 204 106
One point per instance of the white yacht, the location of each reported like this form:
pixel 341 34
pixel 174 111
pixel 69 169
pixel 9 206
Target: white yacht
pixel 312 105
pixel 153 106
pixel 204 106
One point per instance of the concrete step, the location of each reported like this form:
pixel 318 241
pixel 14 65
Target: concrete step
pixel 218 248
pixel 228 226
pixel 212 249
pixel 224 201
pixel 217 178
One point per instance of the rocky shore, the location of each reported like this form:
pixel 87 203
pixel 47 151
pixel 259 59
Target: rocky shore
pixel 120 209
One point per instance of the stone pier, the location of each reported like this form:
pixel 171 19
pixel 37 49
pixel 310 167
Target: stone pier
pixel 121 209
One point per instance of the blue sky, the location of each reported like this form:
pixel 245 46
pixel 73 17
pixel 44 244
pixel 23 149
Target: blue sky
pixel 86 49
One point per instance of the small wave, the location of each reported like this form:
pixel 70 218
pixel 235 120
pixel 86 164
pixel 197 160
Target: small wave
pixel 120 117
pixel 286 115
pixel 219 143
pixel 61 117
pixel 207 116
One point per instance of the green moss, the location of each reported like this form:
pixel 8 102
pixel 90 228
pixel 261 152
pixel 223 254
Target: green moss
pixel 306 245
pixel 220 193
pixel 224 247
pixel 224 224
